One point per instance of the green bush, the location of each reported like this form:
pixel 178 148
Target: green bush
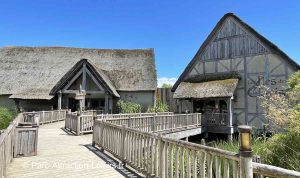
pixel 160 107
pixel 280 150
pixel 128 107
pixel 283 150
pixel 6 116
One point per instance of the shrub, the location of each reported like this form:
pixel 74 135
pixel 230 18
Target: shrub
pixel 283 150
pixel 6 117
pixel 160 107
pixel 128 107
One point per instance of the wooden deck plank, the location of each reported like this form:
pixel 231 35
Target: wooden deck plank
pixel 61 155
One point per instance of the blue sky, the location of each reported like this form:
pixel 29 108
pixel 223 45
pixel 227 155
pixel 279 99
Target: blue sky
pixel 175 29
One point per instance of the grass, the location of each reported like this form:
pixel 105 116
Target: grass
pixel 282 150
pixel 257 145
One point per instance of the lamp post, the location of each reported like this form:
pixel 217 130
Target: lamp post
pixel 246 168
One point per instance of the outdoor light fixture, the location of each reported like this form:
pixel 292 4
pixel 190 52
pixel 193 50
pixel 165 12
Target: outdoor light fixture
pixel 245 140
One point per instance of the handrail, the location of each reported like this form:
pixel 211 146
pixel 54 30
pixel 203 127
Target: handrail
pixel 155 155
pixel 158 123
pixel 269 170
pixel 43 117
pixel 7 141
pixel 122 115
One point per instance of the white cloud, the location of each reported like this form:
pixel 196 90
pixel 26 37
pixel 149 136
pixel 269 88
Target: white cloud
pixel 162 80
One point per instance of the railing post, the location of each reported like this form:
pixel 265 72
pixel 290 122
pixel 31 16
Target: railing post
pixel 78 124
pixel 162 161
pixel 43 116
pixel 246 168
pixel 186 120
pixel 94 119
pixel 52 113
pixel 152 123
pixel 122 147
pixel 101 135
pixel 129 121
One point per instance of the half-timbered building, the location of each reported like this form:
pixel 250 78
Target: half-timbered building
pixel 41 78
pixel 222 80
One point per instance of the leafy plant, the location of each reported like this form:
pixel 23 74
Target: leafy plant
pixel 166 85
pixel 283 150
pixel 283 109
pixel 128 107
pixel 6 117
pixel 159 107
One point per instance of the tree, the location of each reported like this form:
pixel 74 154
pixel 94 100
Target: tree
pixel 166 85
pixel 283 109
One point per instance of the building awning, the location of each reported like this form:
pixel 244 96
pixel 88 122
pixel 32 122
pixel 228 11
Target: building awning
pixel 210 89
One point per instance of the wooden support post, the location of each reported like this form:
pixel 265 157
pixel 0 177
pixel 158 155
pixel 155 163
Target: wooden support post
pixel 230 121
pixel 246 168
pixel 84 77
pixel 106 107
pixel 59 94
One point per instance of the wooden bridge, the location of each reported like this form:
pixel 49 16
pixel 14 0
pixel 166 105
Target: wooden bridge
pixel 140 142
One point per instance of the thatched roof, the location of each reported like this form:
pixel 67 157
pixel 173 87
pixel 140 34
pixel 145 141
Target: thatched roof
pixel 211 89
pixel 271 46
pixel 31 72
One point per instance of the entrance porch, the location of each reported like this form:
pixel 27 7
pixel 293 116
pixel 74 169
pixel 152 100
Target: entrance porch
pixel 85 88
pixel 214 100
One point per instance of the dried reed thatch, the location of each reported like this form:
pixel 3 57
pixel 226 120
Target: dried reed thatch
pixel 211 89
pixel 31 72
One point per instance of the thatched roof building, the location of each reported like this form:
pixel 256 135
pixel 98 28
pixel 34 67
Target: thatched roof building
pixel 31 73
pixel 222 80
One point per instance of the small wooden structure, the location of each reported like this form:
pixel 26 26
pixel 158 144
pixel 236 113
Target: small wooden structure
pixel 26 138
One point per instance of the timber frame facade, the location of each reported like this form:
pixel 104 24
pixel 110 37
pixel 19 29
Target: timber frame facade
pixel 85 88
pixel 233 50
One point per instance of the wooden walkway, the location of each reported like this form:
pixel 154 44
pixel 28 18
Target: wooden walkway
pixel 61 154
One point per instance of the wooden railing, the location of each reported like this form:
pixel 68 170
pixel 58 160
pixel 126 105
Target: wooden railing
pixel 154 155
pixel 272 171
pixel 43 117
pixel 112 116
pixel 7 142
pixel 215 119
pixel 158 122
pixel 79 124
pixel 83 123
pixel 158 156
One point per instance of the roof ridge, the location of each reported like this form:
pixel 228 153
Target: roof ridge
pixel 69 47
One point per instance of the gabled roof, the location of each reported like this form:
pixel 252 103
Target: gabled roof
pixel 28 70
pixel 100 76
pixel 272 47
